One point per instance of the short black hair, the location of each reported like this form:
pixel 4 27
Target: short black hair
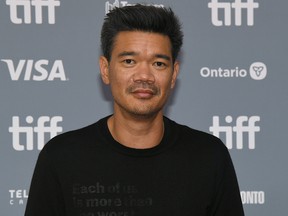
pixel 139 17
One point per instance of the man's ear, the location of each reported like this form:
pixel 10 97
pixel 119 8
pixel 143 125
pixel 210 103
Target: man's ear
pixel 176 68
pixel 104 69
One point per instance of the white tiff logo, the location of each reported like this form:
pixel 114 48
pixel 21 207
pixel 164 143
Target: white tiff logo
pixel 36 70
pixel 45 125
pixel 244 125
pixel 227 8
pixel 27 10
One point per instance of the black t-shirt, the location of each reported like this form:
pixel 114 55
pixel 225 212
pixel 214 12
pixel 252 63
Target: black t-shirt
pixel 88 173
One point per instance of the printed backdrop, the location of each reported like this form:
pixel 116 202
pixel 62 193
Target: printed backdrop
pixel 233 84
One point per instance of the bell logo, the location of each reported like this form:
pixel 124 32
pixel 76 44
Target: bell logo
pixel 244 125
pixel 238 6
pixel 258 71
pixel 27 8
pixel 41 70
pixel 45 125
pixel 110 6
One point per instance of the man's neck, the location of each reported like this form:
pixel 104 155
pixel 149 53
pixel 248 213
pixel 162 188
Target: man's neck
pixel 141 133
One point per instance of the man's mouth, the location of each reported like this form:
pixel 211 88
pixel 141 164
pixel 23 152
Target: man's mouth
pixel 143 90
pixel 143 93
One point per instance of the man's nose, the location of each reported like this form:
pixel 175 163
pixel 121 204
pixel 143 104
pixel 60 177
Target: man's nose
pixel 144 73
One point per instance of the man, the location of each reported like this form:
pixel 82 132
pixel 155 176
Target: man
pixel 136 161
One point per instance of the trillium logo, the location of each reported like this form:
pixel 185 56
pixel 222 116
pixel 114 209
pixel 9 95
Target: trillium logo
pixel 258 71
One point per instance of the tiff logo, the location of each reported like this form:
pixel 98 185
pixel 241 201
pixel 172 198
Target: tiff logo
pixel 39 70
pixel 27 6
pixel 45 125
pixel 244 125
pixel 228 8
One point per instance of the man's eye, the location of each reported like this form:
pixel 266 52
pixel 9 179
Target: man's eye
pixel 160 64
pixel 129 61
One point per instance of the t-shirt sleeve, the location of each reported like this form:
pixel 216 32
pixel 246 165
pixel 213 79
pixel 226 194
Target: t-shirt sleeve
pixel 227 199
pixel 45 197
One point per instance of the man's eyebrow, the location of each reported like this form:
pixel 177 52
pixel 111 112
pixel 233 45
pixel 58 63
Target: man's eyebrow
pixel 166 57
pixel 132 53
pixel 127 53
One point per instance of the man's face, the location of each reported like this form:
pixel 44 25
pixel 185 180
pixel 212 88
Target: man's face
pixel 141 72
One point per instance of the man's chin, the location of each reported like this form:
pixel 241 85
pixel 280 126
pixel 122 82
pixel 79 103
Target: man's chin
pixel 144 114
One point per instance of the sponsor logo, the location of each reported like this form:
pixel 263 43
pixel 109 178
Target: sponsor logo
pixel 23 136
pixel 222 13
pixel 257 71
pixel 234 135
pixel 109 6
pixel 253 197
pixel 18 197
pixel 32 6
pixel 35 70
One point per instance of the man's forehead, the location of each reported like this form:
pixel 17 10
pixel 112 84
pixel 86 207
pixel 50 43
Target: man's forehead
pixel 137 42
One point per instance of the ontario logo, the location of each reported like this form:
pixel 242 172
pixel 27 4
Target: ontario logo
pixel 256 71
pixel 110 6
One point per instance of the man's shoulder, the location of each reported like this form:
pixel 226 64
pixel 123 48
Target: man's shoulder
pixel 74 138
pixel 200 144
pixel 197 137
pixel 198 134
pixel 190 131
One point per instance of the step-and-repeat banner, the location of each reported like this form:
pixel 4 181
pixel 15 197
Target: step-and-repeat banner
pixel 233 84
